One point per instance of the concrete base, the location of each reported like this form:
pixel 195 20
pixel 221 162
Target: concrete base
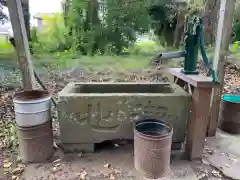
pixel 91 113
pixel 224 153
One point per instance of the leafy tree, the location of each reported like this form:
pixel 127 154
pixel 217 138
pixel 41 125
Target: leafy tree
pixel 25 6
pixel 108 25
pixel 123 19
pixel 3 16
pixel 164 20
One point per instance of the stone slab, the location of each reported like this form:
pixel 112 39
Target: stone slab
pixel 94 112
pixel 225 154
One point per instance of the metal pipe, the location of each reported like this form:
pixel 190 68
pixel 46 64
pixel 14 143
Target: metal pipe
pixel 170 55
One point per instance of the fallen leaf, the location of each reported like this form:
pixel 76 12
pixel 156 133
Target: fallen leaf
pixel 227 165
pixel 201 176
pixel 227 154
pixel 80 154
pixel 209 151
pixel 233 159
pixel 216 173
pixel 17 171
pixel 116 145
pixel 19 159
pixel 83 175
pixel 55 145
pixel 204 161
pixel 111 177
pixel 117 171
pixel 107 165
pixel 21 165
pixel 56 161
pixel 7 164
pixel 57 165
pixel 54 169
pixel 204 156
pixel 15 178
pixel 222 153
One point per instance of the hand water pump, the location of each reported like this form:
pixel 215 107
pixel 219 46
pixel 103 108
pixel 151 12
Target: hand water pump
pixel 194 40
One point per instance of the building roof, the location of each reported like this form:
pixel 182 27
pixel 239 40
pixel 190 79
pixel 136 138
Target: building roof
pixel 40 15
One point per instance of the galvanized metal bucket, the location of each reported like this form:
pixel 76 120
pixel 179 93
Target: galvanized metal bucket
pixel 36 143
pixel 152 148
pixel 32 108
pixel 229 117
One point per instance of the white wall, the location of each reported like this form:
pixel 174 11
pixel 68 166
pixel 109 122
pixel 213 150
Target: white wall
pixel 41 6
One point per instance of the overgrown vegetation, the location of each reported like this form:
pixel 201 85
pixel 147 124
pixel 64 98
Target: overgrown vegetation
pixel 112 27
pixel 3 16
pixel 90 27
pixel 108 27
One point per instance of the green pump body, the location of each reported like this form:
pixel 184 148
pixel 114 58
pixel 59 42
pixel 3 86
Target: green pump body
pixel 192 45
pixel 194 41
pixel 191 55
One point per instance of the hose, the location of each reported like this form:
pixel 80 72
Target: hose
pixel 204 55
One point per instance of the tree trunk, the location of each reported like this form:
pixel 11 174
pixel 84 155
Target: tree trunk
pixel 92 21
pixel 92 18
pixel 210 15
pixel 65 9
pixel 179 30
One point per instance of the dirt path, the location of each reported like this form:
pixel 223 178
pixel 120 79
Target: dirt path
pixel 108 163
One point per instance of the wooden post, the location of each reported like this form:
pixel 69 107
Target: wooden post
pixel 22 46
pixel 200 87
pixel 221 51
pixel 198 123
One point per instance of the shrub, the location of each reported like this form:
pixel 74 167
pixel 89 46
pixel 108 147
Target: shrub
pixel 53 37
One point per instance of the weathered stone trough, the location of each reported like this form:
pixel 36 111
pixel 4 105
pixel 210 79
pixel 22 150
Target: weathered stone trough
pixel 91 113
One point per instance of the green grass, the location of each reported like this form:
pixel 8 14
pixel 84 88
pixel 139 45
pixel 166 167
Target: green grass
pixel 136 57
pixel 117 63
pixel 147 48
pixel 6 49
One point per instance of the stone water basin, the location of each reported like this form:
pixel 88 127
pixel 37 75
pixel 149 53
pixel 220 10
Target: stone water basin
pixel 90 113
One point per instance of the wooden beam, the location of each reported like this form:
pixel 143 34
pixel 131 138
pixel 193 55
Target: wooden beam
pixel 22 46
pixel 197 125
pixel 195 80
pixel 221 52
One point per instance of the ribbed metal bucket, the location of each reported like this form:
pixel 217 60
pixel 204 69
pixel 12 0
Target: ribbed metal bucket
pixel 152 147
pixel 36 143
pixel 32 108
pixel 229 117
